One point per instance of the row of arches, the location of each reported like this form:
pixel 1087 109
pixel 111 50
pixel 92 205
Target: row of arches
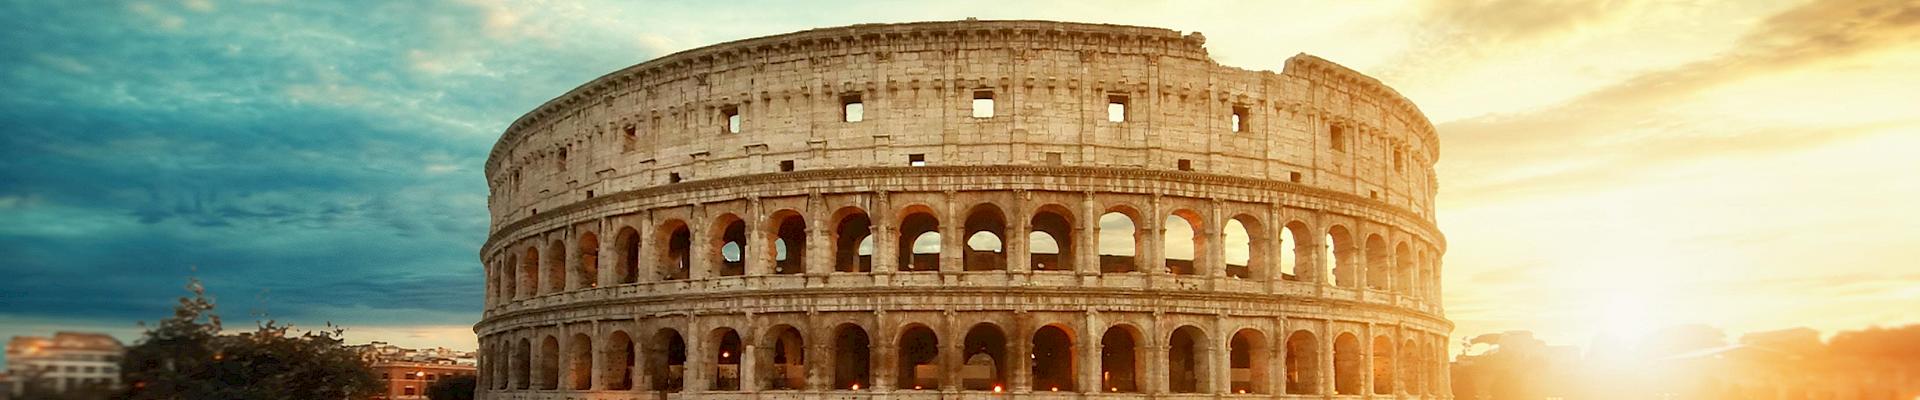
pixel 1053 240
pixel 983 358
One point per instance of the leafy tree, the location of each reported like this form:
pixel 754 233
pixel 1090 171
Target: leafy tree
pixel 454 388
pixel 187 357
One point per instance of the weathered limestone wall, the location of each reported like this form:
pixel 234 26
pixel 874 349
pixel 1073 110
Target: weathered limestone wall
pixel 598 256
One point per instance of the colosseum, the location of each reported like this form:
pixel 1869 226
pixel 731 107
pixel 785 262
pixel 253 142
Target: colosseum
pixel 965 209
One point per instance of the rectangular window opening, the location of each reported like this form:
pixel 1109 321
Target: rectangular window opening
pixel 1337 138
pixel 983 104
pixel 917 160
pixel 1116 108
pixel 1399 161
pixel 1240 119
pixel 1293 177
pixel 1186 165
pixel 732 115
pixel 631 140
pixel 673 177
pixel 786 166
pixel 852 109
pixel 589 194
pixel 1053 158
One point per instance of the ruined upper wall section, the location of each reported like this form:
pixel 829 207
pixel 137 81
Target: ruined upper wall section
pixel 1160 41
pixel 666 121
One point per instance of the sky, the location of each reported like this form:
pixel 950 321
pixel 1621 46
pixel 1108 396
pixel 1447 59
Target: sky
pixel 1607 168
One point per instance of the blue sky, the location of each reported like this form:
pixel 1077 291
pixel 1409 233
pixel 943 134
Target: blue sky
pixel 320 161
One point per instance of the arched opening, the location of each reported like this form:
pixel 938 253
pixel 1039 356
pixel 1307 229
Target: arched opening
pixel 789 243
pixel 667 361
pixel 919 362
pixel 676 261
pixel 787 364
pixel 852 365
pixel 627 243
pixel 1339 255
pixel 1292 246
pixel 726 359
pixel 731 246
pixel 588 272
pixel 1403 270
pixel 550 363
pixel 500 365
pixel 1303 363
pixel 1050 244
pixel 1119 243
pixel 986 226
pixel 1379 267
pixel 852 241
pixel 618 372
pixel 919 246
pixel 523 365
pixel 1247 359
pixel 1382 365
pixel 1346 364
pixel 580 362
pixel 1186 360
pixel 1411 360
pixel 985 354
pixel 1244 246
pixel 556 267
pixel 1120 352
pixel 1181 242
pixel 530 273
pixel 1052 360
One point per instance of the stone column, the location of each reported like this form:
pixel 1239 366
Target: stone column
pixel 757 252
pixel 1086 236
pixel 700 246
pixel 820 250
pixel 699 374
pixel 749 364
pixel 1151 258
pixel 1022 340
pixel 885 237
pixel 953 342
pixel 1087 355
pixel 1017 238
pixel 953 232
pixel 597 355
pixel 1211 260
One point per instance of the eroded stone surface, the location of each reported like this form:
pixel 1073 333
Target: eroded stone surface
pixel 721 196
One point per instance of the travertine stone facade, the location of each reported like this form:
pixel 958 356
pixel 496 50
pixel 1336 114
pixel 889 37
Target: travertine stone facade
pixel 967 209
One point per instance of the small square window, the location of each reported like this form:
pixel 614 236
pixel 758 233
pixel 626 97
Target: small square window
pixel 673 177
pixel 732 115
pixel 786 166
pixel 589 194
pixel 1240 119
pixel 1186 165
pixel 1373 194
pixel 983 104
pixel 1116 108
pixel 1053 158
pixel 852 109
pixel 1293 177
pixel 917 160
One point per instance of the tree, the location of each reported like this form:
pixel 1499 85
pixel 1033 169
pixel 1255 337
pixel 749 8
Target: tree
pixel 188 357
pixel 455 388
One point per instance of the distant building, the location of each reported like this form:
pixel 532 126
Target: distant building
pixel 408 372
pixel 67 361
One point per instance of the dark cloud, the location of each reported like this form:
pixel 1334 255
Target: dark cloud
pixel 301 158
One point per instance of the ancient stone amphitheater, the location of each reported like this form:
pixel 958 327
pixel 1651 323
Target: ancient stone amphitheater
pixel 966 209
